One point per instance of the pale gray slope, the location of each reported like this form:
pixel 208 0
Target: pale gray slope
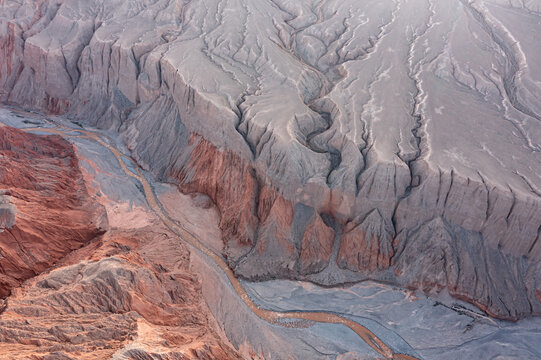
pixel 432 330
pixel 419 121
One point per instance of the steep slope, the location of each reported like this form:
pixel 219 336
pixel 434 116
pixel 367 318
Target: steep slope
pixel 339 140
pixel 45 210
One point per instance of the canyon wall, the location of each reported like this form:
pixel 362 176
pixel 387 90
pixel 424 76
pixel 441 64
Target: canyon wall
pixel 45 210
pixel 391 140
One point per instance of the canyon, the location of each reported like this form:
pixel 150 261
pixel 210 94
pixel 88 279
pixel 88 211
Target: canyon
pixel 154 286
pixel 329 142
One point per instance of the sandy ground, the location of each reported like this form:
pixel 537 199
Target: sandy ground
pixel 432 330
pixel 195 212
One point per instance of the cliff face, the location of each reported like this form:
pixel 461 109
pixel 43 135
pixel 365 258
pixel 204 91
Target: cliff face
pixel 389 140
pixel 45 210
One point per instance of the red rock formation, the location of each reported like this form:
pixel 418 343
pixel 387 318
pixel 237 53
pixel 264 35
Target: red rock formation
pixel 316 247
pixel 129 294
pixel 47 211
pixel 359 252
pixel 250 210
pixel 88 296
pixel 7 45
pixel 56 106
pixel 231 184
pixel 274 249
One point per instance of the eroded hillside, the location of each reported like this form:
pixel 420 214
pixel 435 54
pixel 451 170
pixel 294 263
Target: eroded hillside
pixel 340 140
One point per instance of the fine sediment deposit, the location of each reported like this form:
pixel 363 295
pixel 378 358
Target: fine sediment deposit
pixel 340 140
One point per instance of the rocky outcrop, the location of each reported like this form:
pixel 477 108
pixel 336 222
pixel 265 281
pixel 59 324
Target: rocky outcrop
pixel 291 240
pixel 338 125
pixel 45 210
pixel 116 298
pixel 231 184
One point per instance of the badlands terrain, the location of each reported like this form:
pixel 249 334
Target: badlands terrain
pixel 270 179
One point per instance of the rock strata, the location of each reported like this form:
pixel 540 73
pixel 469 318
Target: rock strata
pixel 116 298
pixel 45 210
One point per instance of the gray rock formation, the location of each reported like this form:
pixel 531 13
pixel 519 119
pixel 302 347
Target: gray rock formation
pixel 406 131
pixel 7 215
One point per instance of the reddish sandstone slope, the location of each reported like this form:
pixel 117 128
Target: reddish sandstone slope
pixel 45 210
pixel 127 295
